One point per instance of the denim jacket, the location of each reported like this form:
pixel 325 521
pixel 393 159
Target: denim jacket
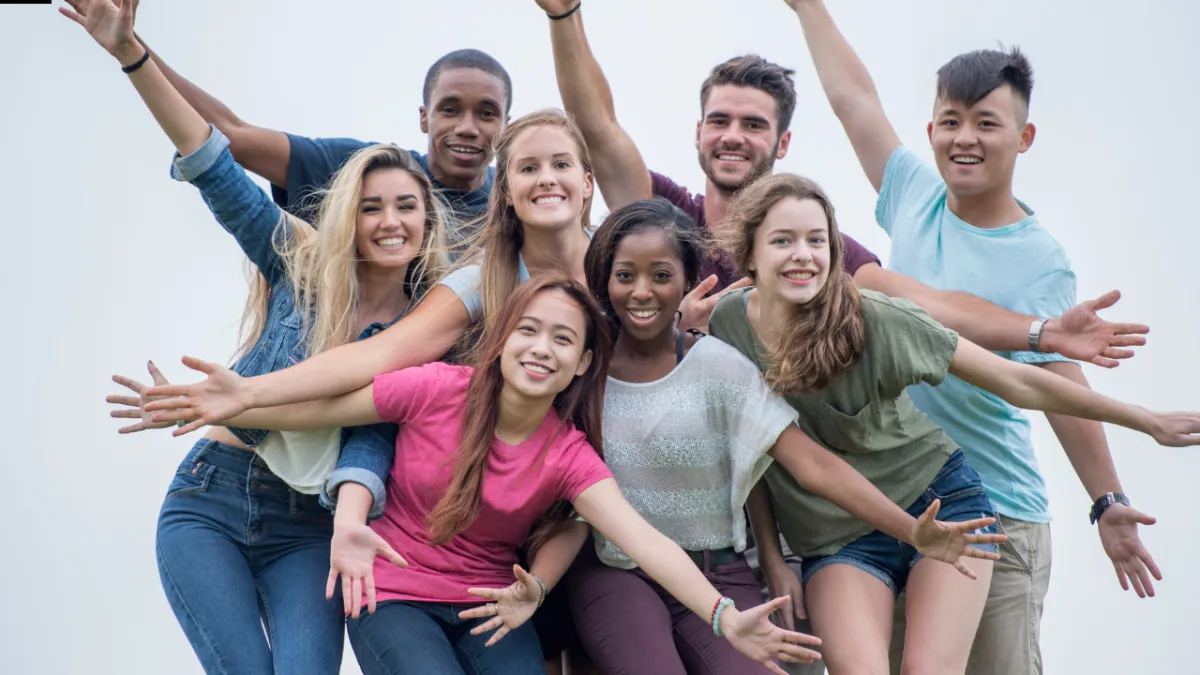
pixel 249 214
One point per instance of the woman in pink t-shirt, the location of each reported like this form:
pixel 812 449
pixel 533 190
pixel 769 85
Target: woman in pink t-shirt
pixel 487 460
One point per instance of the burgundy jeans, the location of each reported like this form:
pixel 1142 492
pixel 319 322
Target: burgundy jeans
pixel 630 625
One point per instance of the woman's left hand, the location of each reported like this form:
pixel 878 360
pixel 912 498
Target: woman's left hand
pixel 949 542
pixel 752 633
pixel 110 23
pixel 509 607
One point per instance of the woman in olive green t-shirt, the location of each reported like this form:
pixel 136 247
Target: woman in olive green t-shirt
pixel 843 358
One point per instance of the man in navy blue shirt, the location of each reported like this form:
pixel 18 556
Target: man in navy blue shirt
pixel 465 105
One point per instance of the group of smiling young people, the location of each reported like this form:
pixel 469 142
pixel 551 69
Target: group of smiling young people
pixel 482 435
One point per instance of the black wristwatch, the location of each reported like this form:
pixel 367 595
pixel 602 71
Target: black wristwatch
pixel 1105 501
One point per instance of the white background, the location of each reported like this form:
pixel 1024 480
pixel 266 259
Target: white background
pixel 109 262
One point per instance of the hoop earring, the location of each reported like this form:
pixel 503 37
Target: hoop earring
pixel 678 318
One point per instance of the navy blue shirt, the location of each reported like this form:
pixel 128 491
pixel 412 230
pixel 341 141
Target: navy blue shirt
pixel 314 161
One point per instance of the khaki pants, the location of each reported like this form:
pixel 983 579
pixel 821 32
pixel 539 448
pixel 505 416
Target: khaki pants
pixel 1007 641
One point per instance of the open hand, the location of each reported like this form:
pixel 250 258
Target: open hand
pixel 352 553
pixel 752 633
pixel 509 607
pixel 135 410
pixel 220 397
pixel 110 23
pixel 556 7
pixel 949 542
pixel 1081 334
pixel 1132 562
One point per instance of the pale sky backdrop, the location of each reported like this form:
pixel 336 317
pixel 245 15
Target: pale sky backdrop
pixel 114 263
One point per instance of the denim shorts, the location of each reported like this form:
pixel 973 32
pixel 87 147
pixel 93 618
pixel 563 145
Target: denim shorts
pixel 889 560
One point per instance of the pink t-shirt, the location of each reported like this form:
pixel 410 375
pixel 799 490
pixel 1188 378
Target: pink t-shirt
pixel 519 486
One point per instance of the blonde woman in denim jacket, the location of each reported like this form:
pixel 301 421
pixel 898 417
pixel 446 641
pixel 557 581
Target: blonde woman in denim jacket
pixel 243 540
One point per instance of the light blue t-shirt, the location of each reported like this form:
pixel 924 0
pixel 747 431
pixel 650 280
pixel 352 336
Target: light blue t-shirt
pixel 1020 267
pixel 464 281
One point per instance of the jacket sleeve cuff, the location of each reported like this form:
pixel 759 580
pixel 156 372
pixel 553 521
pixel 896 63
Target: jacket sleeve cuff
pixel 202 159
pixel 364 478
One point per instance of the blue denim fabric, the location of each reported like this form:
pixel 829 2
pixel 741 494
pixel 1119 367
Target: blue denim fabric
pixel 238 550
pixel 428 638
pixel 246 212
pixel 889 560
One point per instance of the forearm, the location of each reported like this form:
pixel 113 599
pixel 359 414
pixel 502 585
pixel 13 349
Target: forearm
pixel 1084 441
pixel 353 505
pixel 984 323
pixel 554 557
pixel 844 78
pixel 354 409
pixel 826 475
pixel 209 108
pixel 762 523
pixel 182 124
pixel 585 92
pixel 1033 388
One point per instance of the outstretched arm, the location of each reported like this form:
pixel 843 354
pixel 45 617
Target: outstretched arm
pixel 621 173
pixel 849 88
pixel 265 152
pixel 1033 388
pixel 748 630
pixel 422 337
pixel 1078 334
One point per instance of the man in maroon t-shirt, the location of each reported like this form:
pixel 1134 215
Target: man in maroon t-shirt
pixel 747 106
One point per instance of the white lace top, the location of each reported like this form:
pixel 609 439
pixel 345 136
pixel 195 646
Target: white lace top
pixel 686 449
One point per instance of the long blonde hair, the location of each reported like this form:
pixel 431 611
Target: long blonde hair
pixel 322 262
pixel 825 337
pixel 497 245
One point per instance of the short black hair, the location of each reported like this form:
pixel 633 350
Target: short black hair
pixel 468 58
pixel 691 245
pixel 970 77
pixel 752 70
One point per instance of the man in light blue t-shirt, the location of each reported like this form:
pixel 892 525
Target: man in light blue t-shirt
pixel 958 227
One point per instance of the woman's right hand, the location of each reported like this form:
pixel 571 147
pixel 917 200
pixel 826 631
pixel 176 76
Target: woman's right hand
pixel 782 581
pixel 1176 429
pixel 352 553
pixel 110 23
pixel 135 409
pixel 220 397
pixel 752 633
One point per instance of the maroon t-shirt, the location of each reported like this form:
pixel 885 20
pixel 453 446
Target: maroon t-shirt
pixel 720 263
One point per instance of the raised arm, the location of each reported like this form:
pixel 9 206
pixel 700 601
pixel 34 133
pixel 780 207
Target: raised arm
pixel 748 630
pixel 264 151
pixel 1078 334
pixel 849 88
pixel 1033 388
pixel 621 173
pixel 422 337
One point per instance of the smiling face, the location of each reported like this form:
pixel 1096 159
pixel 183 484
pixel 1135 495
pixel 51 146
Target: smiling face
pixel 464 116
pixel 647 283
pixel 791 255
pixel 390 224
pixel 547 184
pixel 738 140
pixel 976 147
pixel 546 350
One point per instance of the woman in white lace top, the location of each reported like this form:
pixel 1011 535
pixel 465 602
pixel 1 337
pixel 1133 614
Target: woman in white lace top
pixel 689 428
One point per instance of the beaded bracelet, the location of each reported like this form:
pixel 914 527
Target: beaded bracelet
pixel 716 618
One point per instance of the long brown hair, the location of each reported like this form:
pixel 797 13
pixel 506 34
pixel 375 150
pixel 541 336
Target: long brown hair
pixel 579 405
pixel 825 337
pixel 498 242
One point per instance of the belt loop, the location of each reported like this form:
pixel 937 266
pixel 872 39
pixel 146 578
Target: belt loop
pixel 707 561
pixel 293 497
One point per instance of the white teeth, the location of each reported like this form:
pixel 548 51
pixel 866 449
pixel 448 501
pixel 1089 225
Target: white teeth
pixel 799 275
pixel 392 241
pixel 548 200
pixel 643 313
pixel 966 160
pixel 465 149
pixel 731 158
pixel 536 368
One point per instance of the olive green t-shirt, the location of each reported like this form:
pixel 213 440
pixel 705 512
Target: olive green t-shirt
pixel 864 416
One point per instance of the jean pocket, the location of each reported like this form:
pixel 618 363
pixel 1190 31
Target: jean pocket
pixel 189 480
pixel 959 483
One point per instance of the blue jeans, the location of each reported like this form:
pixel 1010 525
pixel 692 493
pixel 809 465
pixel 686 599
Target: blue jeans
pixel 890 560
pixel 238 550
pixel 428 638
